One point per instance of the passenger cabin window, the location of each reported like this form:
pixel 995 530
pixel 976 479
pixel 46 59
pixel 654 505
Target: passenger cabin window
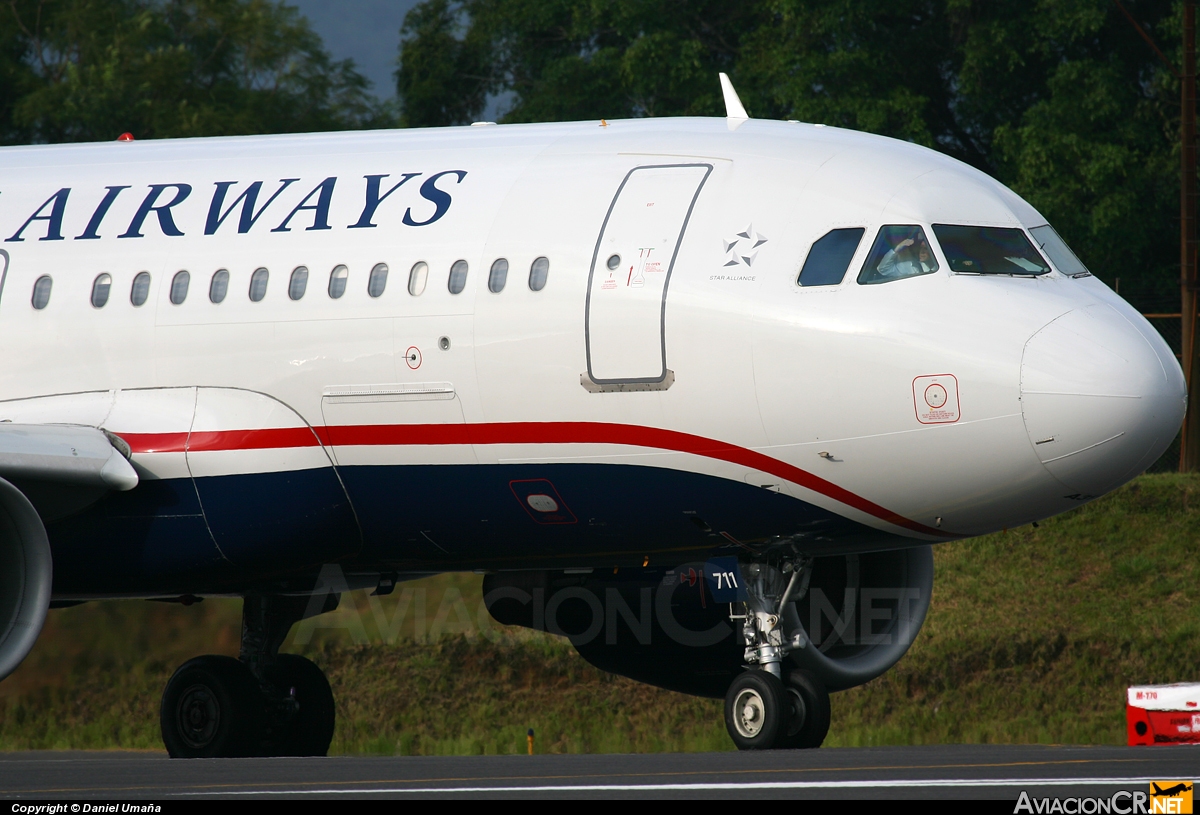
pixel 41 292
pixel 830 257
pixel 298 283
pixel 458 277
pixel 179 287
pixel 141 289
pixel 258 284
pixel 337 281
pixel 101 287
pixel 219 287
pixel 538 274
pixel 989 250
pixel 377 282
pixel 417 278
pixel 498 276
pixel 900 251
pixel 1060 254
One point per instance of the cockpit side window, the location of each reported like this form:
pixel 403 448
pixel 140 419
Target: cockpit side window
pixel 989 250
pixel 830 256
pixel 1050 242
pixel 900 251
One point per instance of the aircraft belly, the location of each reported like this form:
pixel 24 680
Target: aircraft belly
pixel 150 540
pixel 570 514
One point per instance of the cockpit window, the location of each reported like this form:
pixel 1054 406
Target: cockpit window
pixel 900 251
pixel 989 250
pixel 829 257
pixel 1056 248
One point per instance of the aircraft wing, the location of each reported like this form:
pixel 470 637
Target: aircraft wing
pixel 65 454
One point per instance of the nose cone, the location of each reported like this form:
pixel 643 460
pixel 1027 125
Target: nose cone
pixel 1101 398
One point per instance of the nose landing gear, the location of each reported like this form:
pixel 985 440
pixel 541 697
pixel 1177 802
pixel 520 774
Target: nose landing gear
pixel 767 708
pixel 263 704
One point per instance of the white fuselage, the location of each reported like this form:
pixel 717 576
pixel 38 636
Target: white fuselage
pixel 1062 390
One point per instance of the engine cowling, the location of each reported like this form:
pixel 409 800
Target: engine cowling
pixel 663 627
pixel 26 574
pixel 862 612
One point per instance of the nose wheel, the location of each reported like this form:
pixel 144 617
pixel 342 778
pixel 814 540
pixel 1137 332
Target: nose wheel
pixel 808 722
pixel 764 713
pixel 756 710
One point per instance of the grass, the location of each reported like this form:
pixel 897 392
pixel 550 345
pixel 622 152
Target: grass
pixel 1032 636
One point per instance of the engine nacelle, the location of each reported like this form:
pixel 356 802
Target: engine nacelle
pixel 664 628
pixel 861 613
pixel 26 573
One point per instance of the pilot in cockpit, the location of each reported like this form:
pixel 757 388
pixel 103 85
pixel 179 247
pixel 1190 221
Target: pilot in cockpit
pixel 910 257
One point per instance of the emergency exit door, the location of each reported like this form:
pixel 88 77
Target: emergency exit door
pixel 625 321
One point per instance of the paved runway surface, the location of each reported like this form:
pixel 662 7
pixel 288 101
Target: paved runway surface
pixel 947 771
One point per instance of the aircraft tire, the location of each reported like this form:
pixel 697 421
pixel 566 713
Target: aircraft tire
pixel 310 730
pixel 756 710
pixel 212 708
pixel 811 713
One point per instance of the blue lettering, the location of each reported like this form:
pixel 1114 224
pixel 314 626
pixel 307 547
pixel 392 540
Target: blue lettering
pixel 320 209
pixel 439 198
pixel 165 222
pixel 374 199
pixel 58 205
pixel 93 227
pixel 247 199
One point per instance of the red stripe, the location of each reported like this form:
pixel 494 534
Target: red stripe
pixel 275 437
pixel 156 442
pixel 518 433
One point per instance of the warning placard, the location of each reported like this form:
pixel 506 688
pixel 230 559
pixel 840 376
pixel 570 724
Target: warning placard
pixel 935 398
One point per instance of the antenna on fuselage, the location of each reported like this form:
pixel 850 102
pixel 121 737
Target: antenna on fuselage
pixel 735 112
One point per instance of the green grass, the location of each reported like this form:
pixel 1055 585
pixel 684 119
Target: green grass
pixel 1032 636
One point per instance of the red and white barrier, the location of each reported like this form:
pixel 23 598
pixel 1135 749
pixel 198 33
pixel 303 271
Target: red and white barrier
pixel 1163 714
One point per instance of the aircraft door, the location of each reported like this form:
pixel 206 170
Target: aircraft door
pixel 625 322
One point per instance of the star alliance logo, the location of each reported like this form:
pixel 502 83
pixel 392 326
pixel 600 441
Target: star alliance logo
pixel 743 247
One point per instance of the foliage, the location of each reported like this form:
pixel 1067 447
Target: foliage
pixel 80 70
pixel 576 59
pixel 1032 636
pixel 1060 99
pixel 442 79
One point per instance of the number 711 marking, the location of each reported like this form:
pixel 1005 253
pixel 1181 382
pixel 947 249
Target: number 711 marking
pixel 728 579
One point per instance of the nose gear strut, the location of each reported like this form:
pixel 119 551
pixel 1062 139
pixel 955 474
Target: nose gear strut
pixel 769 705
pixel 770 589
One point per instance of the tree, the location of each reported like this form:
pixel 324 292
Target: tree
pixel 441 78
pixel 1060 99
pixel 91 69
pixel 574 59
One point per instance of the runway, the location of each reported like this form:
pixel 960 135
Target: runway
pixel 945 771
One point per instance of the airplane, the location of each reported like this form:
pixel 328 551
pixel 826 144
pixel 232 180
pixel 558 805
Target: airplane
pixel 1169 791
pixel 700 394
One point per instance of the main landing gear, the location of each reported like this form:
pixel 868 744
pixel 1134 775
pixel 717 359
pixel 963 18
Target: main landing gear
pixel 262 704
pixel 769 706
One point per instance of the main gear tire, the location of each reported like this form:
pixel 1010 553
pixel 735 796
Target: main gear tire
pixel 212 708
pixel 308 731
